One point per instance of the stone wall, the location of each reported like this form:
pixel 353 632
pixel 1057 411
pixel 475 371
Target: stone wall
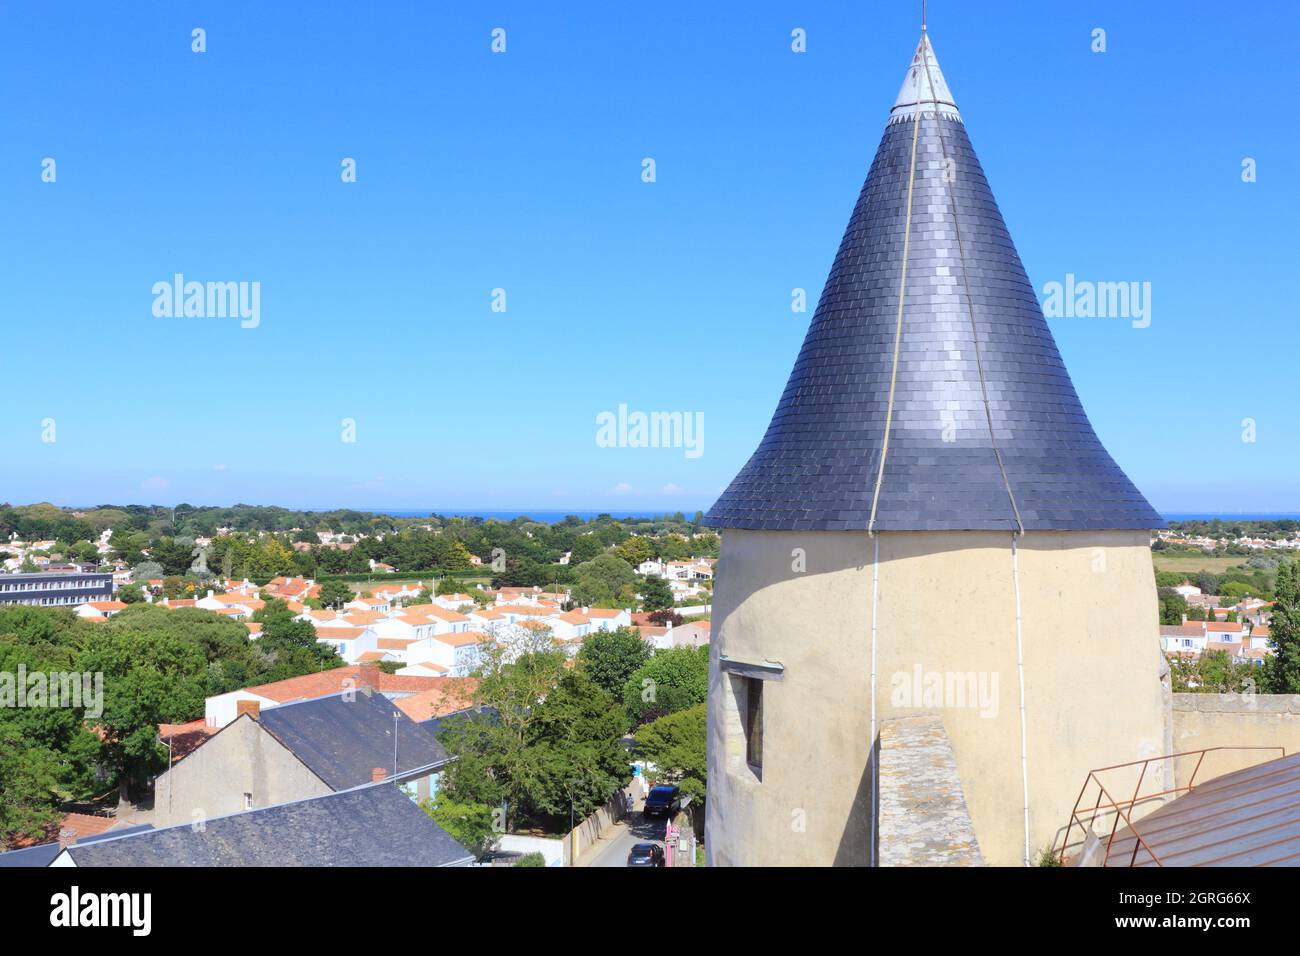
pixel 241 759
pixel 581 837
pixel 923 815
pixel 1232 721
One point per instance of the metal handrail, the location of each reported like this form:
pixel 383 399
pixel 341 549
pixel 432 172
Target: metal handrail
pixel 1122 808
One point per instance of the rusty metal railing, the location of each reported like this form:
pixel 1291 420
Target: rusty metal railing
pixel 1123 808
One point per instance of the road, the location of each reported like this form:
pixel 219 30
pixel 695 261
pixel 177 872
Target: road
pixel 613 847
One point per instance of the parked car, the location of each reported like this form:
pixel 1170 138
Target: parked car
pixel 646 854
pixel 661 801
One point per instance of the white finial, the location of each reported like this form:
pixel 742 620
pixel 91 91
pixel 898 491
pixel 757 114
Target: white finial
pixel 917 93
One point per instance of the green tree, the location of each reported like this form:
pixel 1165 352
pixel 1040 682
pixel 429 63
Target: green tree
pixel 470 824
pixel 585 548
pixel 611 657
pixel 493 760
pixel 577 744
pixel 635 550
pixel 1172 606
pixel 1282 668
pixel 130 594
pixel 602 579
pixel 335 594
pixel 149 678
pixel 551 745
pixel 1214 672
pixel 676 744
pixel 281 628
pixel 29 787
pixel 670 681
pixel 656 595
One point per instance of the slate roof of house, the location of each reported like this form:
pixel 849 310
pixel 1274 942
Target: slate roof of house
pixel 342 738
pixel 816 467
pixel 44 854
pixel 374 825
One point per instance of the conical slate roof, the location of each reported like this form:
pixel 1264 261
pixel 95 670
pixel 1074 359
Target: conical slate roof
pixel 817 466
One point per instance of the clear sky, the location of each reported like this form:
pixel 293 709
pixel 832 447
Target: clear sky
pixel 523 171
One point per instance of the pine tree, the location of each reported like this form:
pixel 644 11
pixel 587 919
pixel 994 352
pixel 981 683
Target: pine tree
pixel 1282 670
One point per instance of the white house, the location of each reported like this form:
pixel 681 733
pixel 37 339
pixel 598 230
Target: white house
pixel 1221 632
pixel 407 627
pixel 1259 637
pixel 453 602
pixel 457 654
pixel 99 610
pixel 1183 638
pixel 606 619
pixel 518 613
pixel 569 626
pixel 443 620
pixel 376 602
pixel 350 642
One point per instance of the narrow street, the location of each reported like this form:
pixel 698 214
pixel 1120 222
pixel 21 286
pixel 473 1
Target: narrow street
pixel 613 847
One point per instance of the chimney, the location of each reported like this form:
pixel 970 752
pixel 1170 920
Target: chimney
pixel 1184 619
pixel 209 592
pixel 378 775
pixel 256 595
pixel 368 677
pixel 67 837
pixel 252 708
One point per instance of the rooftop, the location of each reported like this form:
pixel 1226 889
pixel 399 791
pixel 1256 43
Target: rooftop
pixel 984 420
pixel 374 825
pixel 343 738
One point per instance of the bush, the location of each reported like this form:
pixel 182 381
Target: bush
pixel 531 859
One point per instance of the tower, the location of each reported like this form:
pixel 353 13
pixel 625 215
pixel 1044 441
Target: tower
pixel 929 503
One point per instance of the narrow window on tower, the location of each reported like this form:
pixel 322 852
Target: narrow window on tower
pixel 754 723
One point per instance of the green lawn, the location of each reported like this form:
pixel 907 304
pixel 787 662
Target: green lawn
pixel 1191 563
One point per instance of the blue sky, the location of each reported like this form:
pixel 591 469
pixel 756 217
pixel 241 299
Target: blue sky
pixel 522 171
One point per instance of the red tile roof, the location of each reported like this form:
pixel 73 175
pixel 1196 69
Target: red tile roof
pixel 86 824
pixel 185 738
pixel 324 683
pixel 450 695
pixel 462 639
